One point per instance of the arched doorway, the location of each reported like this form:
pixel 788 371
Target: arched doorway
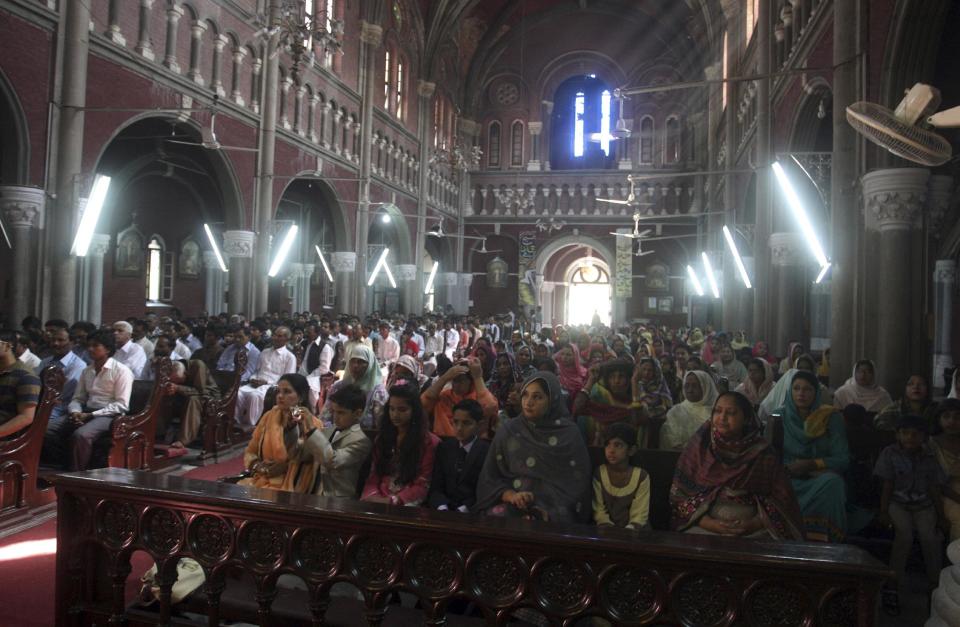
pixel 589 295
pixel 302 283
pixel 161 195
pixel 388 244
pixel 555 266
pixel 14 141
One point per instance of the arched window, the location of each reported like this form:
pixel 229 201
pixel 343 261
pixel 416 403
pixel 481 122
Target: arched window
pixel 516 144
pixel 673 152
pixel 399 90
pixel 753 10
pixel 726 71
pixel 159 271
pixel 444 121
pixel 581 123
pixel 646 140
pixel 387 80
pixel 493 145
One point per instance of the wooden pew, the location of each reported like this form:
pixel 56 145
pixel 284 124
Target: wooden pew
pixel 20 455
pixel 133 436
pixel 564 572
pixel 218 413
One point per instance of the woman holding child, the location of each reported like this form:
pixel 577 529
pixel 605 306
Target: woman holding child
pixel 729 481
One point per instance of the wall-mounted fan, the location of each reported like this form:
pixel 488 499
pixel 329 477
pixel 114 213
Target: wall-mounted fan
pixel 208 139
pixel 898 130
pixel 637 235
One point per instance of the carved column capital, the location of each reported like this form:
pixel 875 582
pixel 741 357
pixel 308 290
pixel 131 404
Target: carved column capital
pixel 450 279
pixel 198 28
pixel 468 127
pixel 239 243
pixel 535 128
pixel 894 198
pixel 786 249
pixel 371 34
pixel 343 261
pixel 99 245
pixel 425 89
pixel 294 270
pixel 945 271
pixel 22 207
pixel 406 272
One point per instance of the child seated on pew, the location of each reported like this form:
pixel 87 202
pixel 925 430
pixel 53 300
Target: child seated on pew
pixel 458 461
pixel 621 492
pixel 911 500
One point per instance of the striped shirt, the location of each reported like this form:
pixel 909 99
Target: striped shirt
pixel 18 386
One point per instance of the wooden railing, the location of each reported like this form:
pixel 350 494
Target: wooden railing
pixel 564 572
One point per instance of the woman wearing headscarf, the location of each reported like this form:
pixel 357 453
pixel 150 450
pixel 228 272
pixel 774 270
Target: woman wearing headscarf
pixel 606 399
pixel 729 481
pixel 816 455
pixel 758 383
pixel 695 339
pixel 915 402
pixel 862 389
pixel 364 372
pixel 505 374
pixel 487 354
pixel 794 350
pixel 572 375
pixel 762 351
pixel 538 465
pixel 668 366
pixel 650 389
pixel 407 367
pixel 685 419
pixel 525 358
pixel 273 455
pixel 620 347
pixel 711 349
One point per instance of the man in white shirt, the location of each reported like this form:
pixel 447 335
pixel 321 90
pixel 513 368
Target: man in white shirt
pixel 128 352
pixel 451 339
pixel 140 337
pixel 388 349
pixel 103 393
pixel 493 329
pixel 316 360
pixel 416 337
pixel 24 354
pixel 275 362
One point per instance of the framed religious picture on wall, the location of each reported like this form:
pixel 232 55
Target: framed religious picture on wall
pixel 129 258
pixel 497 273
pixel 657 277
pixel 665 304
pixel 651 304
pixel 190 260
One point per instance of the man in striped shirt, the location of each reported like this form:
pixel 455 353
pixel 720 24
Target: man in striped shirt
pixel 19 388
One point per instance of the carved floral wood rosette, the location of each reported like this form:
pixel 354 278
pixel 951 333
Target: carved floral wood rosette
pixel 374 562
pixel 162 530
pixel 210 538
pixel 561 586
pixel 499 580
pixel 778 604
pixel 839 608
pixel 316 552
pixel 261 544
pixel 116 523
pixel 435 570
pixel 702 600
pixel 631 594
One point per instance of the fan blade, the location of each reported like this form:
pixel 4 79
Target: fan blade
pixel 644 234
pixel 630 235
pixel 237 148
pixel 175 141
pixel 613 201
pixel 948 118
pixel 645 253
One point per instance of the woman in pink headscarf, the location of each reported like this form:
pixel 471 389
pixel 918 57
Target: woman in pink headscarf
pixel 571 373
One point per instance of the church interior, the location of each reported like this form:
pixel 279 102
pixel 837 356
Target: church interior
pixel 211 207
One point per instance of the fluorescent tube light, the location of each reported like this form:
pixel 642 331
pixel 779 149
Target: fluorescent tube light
pixel 284 251
pixel 710 278
pixel 736 256
pixel 823 273
pixel 376 268
pixel 696 282
pixel 793 201
pixel 433 275
pixel 216 249
pixel 326 268
pixel 88 223
pixel 386 268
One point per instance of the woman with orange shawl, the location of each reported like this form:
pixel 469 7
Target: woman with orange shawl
pixel 273 453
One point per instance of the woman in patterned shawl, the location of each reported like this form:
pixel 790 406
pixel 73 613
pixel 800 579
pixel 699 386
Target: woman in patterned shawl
pixel 729 481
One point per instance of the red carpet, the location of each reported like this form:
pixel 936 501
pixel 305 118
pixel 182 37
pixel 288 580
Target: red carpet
pixel 28 565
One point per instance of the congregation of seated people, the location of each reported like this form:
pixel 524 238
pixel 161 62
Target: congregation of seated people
pixel 505 418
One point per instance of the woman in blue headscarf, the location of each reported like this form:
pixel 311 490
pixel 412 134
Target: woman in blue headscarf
pixel 816 455
pixel 363 371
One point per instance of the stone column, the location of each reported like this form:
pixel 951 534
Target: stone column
pixel 197 29
pixel 22 210
pixel 893 202
pixel 463 305
pixel 820 316
pixel 407 277
pixel 344 265
pixel 113 29
pixel 68 151
pixel 292 282
pixel 546 116
pixel 546 301
pixel 216 82
pixel 843 194
pixel 372 37
pixel 174 13
pixel 213 284
pixel 787 251
pixel 448 281
pixel 535 129
pixel 761 292
pixel 92 296
pixel 239 246
pixel 944 279
pixel 306 272
pixel 425 92
pixel 144 45
pixel 236 92
pixel 255 87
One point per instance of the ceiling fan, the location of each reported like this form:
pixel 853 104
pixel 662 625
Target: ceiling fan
pixel 899 132
pixel 637 235
pixel 640 252
pixel 483 248
pixel 631 197
pixel 620 129
pixel 208 139
pixel 437 232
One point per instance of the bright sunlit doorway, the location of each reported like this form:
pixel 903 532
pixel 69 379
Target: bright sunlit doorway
pixel 589 293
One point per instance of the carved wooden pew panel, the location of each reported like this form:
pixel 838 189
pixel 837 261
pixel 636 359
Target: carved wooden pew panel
pixel 20 454
pixel 133 436
pixel 565 572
